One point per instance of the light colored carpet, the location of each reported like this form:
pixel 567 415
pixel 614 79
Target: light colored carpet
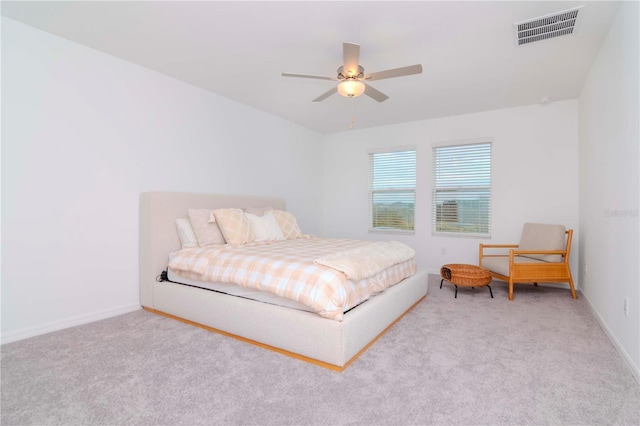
pixel 541 359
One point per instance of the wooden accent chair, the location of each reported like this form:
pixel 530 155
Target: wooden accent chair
pixel 541 256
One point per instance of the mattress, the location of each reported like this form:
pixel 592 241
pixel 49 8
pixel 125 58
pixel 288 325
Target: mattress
pixel 290 269
pixel 238 291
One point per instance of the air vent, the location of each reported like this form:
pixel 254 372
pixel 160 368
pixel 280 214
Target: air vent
pixel 548 26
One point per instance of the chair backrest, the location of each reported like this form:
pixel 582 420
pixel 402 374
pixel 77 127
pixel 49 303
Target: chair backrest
pixel 538 236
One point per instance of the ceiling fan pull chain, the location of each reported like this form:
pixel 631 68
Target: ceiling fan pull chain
pixel 353 113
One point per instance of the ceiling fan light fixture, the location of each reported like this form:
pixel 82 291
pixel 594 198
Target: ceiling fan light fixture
pixel 351 88
pixel 350 82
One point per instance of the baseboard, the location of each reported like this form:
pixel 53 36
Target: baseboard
pixel 635 371
pixel 25 333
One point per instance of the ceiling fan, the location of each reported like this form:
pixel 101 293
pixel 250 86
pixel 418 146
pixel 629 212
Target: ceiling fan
pixel 351 76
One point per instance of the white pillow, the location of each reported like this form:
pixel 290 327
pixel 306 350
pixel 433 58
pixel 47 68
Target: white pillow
pixel 187 237
pixel 264 228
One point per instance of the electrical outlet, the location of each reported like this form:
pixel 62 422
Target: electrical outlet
pixel 626 306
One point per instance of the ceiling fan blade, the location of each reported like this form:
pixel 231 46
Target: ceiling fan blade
pixel 319 77
pixel 325 95
pixel 396 72
pixel 351 55
pixel 375 94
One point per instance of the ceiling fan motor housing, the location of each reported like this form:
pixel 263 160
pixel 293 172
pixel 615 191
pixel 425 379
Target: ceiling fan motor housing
pixel 342 76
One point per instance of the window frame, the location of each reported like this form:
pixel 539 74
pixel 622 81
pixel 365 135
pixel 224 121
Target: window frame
pixel 389 190
pixel 464 189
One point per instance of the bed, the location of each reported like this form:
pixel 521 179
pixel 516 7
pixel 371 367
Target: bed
pixel 294 332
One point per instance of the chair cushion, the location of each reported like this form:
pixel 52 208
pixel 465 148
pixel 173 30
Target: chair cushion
pixel 538 236
pixel 500 265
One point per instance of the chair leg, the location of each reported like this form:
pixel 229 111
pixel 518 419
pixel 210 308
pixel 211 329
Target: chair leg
pixel 510 288
pixel 571 286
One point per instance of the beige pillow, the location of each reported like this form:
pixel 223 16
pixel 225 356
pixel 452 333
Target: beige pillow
pixel 288 224
pixel 264 228
pixel 258 211
pixel 208 233
pixel 234 226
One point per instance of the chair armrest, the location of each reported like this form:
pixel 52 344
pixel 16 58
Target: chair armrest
pixel 498 245
pixel 563 253
pixel 523 252
pixel 495 246
pixel 481 254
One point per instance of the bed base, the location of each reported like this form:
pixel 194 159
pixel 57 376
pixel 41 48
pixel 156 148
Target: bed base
pixel 282 351
pixel 299 334
pixel 302 335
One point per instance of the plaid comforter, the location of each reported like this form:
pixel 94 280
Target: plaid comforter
pixel 287 268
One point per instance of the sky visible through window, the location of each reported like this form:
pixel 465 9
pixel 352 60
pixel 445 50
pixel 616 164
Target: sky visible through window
pixel 392 183
pixel 402 178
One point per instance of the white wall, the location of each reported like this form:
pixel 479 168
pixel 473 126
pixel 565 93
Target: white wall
pixel 609 184
pixel 83 133
pixel 534 176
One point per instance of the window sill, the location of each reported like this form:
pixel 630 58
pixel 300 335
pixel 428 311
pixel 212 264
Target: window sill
pixel 391 231
pixel 459 235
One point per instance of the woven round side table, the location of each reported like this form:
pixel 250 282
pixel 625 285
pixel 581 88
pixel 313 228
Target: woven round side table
pixel 460 274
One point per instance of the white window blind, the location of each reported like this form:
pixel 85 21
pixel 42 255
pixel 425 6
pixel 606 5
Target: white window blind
pixel 462 189
pixel 392 190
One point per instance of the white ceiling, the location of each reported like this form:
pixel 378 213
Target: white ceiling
pixel 239 50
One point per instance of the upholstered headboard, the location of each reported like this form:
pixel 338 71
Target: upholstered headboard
pixel 158 236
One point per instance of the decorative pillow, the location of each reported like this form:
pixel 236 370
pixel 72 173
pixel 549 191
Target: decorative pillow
pixel 265 228
pixel 537 236
pixel 288 224
pixel 258 211
pixel 208 234
pixel 234 226
pixel 187 237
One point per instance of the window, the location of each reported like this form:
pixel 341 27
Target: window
pixel 462 189
pixel 392 190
